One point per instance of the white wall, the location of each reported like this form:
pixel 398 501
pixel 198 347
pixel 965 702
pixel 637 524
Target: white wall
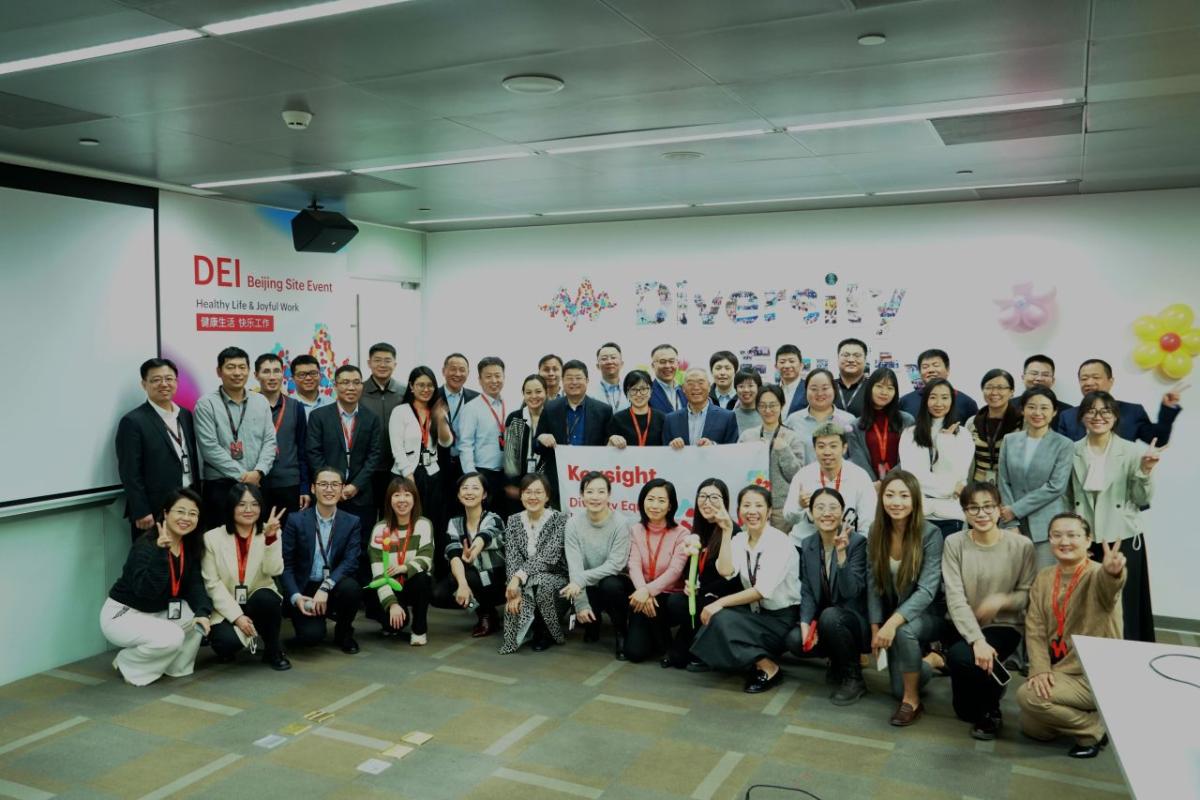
pixel 1111 258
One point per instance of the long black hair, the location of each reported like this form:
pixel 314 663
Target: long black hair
pixel 890 412
pixel 923 430
pixel 709 533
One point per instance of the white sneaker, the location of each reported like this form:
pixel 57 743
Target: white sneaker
pixel 419 640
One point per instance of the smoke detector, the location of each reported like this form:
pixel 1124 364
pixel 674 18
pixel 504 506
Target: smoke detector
pixel 297 120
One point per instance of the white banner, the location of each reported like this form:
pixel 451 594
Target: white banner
pixel 633 467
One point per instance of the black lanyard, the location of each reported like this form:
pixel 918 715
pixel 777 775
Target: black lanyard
pixel 842 394
pixel 753 573
pixel 578 421
pixel 324 546
pixel 234 428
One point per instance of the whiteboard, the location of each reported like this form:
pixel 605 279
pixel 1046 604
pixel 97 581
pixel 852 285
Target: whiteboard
pixel 78 309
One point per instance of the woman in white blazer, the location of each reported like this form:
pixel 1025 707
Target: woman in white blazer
pixel 1035 473
pixel 241 560
pixel 938 452
pixel 415 429
pixel 1110 485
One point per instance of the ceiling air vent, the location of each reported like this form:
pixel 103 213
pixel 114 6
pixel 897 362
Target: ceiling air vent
pixel 1028 124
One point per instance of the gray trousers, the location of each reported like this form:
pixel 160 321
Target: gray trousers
pixel 905 653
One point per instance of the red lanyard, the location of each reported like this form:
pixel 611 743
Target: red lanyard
pixel 837 481
pixel 243 556
pixel 387 535
pixel 882 440
pixel 1058 646
pixel 654 559
pixel 175 579
pixel 348 435
pixel 703 560
pixel 641 437
pixel 487 401
pixel 423 424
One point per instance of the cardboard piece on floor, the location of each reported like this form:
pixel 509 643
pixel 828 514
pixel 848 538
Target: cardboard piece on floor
pixel 417 737
pixel 271 741
pixel 319 716
pixel 397 751
pixel 374 766
pixel 295 729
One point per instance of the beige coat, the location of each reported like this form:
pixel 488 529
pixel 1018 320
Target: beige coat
pixel 1114 513
pixel 220 570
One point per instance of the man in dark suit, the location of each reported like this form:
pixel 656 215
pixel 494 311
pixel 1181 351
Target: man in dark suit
pixel 156 447
pixel 320 559
pixel 1095 375
pixel 347 437
pixel 699 422
pixel 665 395
pixel 789 363
pixel 455 395
pixel 574 419
pixel 934 364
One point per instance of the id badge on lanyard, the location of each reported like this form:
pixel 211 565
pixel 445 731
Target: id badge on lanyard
pixel 174 609
pixel 241 594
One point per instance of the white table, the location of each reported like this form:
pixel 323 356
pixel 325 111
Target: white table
pixel 1153 723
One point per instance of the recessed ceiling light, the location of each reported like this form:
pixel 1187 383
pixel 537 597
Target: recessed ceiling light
pixel 690 137
pixel 441 162
pixel 969 188
pixel 613 210
pixel 99 50
pixel 467 219
pixel 808 199
pixel 270 179
pixel 89 142
pixel 532 84
pixel 918 116
pixel 871 39
pixel 682 155
pixel 314 11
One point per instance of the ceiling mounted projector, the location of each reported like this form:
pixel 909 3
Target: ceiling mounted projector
pixel 317 231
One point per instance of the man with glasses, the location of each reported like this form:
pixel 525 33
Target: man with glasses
pixel 1039 371
pixel 156 447
pixel 306 372
pixel 381 394
pixel 347 437
pixel 235 435
pixel 1133 423
pixel 852 369
pixel 321 556
pixel 286 485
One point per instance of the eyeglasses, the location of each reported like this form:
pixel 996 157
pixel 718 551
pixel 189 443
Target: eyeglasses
pixel 769 406
pixel 1098 413
pixel 706 497
pixel 159 380
pixel 533 493
pixel 642 389
pixel 987 508
pixel 305 374
pixel 350 384
pixel 327 485
pixel 1058 536
pixel 833 508
pixel 248 506
pixel 189 513
pixel 663 362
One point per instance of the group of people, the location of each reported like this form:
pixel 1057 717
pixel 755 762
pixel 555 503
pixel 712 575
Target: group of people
pixel 912 527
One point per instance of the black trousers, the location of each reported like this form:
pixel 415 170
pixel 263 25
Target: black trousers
pixel 451 471
pixel 1138 617
pixel 610 595
pixel 497 499
pixel 648 636
pixel 366 521
pixel 433 507
pixel 265 610
pixel 488 597
pixel 414 598
pixel 342 608
pixel 975 693
pixel 214 498
pixel 379 483
pixel 281 497
pixel 839 638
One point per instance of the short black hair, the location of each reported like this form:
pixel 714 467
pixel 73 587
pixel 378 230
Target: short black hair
pixel 303 360
pixel 446 360
pixel 613 345
pixel 264 358
pixel 535 477
pixel 634 377
pixel 747 374
pixel 723 355
pixel 788 350
pixel 1103 398
pixel 594 475
pixel 1101 362
pixel 755 488
pixel 156 363
pixel 231 353
pixel 174 496
pixel 1040 391
pixel 1039 358
pixel 934 352
pixel 537 379
pixel 381 347
pixel 550 357
pixel 978 487
pixel 327 468
pixel 658 347
pixel 998 373
pixel 672 500
pixel 772 389
pixel 575 363
pixel 852 340
pixel 345 369
pixel 1087 528
pixel 829 490
pixel 234 496
pixel 489 361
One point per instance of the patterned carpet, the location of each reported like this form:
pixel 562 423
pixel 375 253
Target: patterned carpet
pixel 570 722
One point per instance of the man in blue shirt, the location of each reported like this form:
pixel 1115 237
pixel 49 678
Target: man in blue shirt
pixel 608 389
pixel 481 447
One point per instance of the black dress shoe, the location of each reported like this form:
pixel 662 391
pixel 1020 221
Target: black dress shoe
pixel 277 661
pixel 758 682
pixel 541 644
pixel 348 645
pixel 591 632
pixel 669 661
pixel 1088 750
pixel 619 649
pixel 696 665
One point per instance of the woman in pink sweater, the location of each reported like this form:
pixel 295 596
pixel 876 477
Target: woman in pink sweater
pixel 656 563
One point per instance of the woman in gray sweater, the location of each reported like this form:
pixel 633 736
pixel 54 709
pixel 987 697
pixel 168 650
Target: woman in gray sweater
pixel 597 545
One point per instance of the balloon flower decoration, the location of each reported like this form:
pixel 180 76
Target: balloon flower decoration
pixel 388 544
pixel 1026 311
pixel 691 546
pixel 1169 342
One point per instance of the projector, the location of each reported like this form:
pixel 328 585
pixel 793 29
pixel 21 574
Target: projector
pixel 316 231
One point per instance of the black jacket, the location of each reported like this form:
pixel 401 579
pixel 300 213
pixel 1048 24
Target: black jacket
pixel 147 462
pixel 327 448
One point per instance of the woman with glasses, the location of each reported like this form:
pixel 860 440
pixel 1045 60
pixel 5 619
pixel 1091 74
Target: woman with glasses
pixel 1035 472
pixel 787 452
pixel 715 529
pixel 1110 484
pixel 818 389
pixel 639 425
pixel 241 561
pixel 746 383
pixel 158 609
pixel 938 454
pixel 597 547
pixel 986 575
pixel 874 439
pixel 994 421
pixel 535 554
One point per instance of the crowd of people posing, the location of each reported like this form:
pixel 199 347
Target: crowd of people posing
pixel 939 537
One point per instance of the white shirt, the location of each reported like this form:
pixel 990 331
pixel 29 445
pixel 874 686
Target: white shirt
pixel 857 489
pixel 609 394
pixel 789 390
pixel 404 433
pixel 773 567
pixel 533 530
pixel 171 420
pixel 951 461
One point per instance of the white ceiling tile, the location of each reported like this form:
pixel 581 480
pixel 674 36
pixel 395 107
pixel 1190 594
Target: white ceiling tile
pixel 1122 17
pixel 897 137
pixel 662 17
